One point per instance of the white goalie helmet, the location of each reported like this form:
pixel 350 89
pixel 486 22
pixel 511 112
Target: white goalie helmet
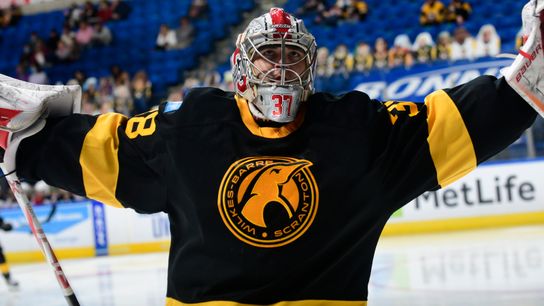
pixel 274 94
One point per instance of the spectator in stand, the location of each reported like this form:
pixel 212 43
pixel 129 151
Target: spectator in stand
pixel 90 13
pixel 10 16
pixel 360 10
pixel 166 39
pixel 198 9
pixel 27 56
pixel 401 52
pixel 432 12
pixel 463 46
pixel 346 8
pixel 211 78
pixel 84 34
pixel 184 33
pixel 41 194
pixel 105 89
pixel 443 47
pixel 330 17
pixel 380 53
pixel 323 62
pixel 64 52
pixel 488 42
pixel 51 45
pixel 38 75
pixel 105 12
pixel 80 77
pixel 362 58
pixel 311 6
pixel 73 15
pixel 21 72
pixel 120 10
pixel 90 88
pixel 116 74
pixel 33 40
pixel 458 11
pixel 39 54
pixel 424 48
pixel 101 35
pixel 122 98
pixel 141 92
pixel 342 61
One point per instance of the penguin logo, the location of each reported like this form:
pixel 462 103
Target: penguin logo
pixel 268 201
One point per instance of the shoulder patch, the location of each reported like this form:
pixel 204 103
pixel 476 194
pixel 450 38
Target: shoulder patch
pixel 172 106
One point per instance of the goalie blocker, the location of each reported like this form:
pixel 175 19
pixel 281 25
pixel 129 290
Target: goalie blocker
pixel 24 107
pixel 526 74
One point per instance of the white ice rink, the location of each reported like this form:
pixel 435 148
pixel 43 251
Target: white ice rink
pixel 473 268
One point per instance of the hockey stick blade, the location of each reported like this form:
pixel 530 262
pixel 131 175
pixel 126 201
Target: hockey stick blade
pixel 39 234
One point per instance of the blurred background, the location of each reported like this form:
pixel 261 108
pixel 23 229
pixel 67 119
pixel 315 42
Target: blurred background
pixel 131 55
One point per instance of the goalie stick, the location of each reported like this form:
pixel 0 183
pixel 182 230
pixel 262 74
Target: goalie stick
pixel 40 236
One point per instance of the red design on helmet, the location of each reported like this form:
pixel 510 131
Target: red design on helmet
pixel 281 21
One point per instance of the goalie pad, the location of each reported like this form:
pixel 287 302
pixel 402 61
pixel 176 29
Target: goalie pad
pixel 526 74
pixel 24 107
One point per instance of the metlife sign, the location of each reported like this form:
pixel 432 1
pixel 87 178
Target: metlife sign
pixel 490 190
pixel 416 83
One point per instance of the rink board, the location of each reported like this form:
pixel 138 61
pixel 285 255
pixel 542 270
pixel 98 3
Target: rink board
pixel 497 194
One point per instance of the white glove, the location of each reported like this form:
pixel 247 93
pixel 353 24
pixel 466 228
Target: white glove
pixel 526 74
pixel 24 107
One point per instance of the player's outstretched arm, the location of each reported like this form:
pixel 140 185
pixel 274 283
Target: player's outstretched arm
pixel 109 158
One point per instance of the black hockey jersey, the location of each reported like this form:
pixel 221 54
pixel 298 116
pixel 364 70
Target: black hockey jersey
pixel 263 215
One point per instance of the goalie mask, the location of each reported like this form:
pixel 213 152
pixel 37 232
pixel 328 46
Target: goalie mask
pixel 273 65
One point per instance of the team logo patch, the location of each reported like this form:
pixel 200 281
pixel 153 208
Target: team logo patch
pixel 268 201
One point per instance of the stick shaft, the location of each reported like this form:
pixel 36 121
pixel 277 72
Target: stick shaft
pixel 41 238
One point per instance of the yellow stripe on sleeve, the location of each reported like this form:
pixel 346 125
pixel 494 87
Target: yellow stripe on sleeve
pixel 172 302
pixel 98 159
pixel 449 141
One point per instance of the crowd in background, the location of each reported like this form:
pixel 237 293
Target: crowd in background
pixel 403 53
pixel 434 12
pixel 85 25
pixel 331 15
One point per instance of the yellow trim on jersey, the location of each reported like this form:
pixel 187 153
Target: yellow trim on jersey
pixel 98 159
pixel 4 268
pixel 172 302
pixel 449 141
pixel 267 132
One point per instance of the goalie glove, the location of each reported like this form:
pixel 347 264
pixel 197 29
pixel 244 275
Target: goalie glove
pixel 526 74
pixel 24 107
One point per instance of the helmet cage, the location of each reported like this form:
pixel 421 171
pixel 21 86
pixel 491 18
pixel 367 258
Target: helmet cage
pixel 261 87
pixel 251 48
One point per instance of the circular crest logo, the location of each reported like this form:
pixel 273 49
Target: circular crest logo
pixel 268 201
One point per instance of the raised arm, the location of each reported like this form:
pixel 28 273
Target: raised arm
pixel 109 158
pixel 428 146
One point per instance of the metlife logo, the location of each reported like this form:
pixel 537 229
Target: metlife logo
pixel 490 190
pixel 415 84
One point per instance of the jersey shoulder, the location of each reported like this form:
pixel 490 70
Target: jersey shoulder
pixel 201 106
pixel 353 109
